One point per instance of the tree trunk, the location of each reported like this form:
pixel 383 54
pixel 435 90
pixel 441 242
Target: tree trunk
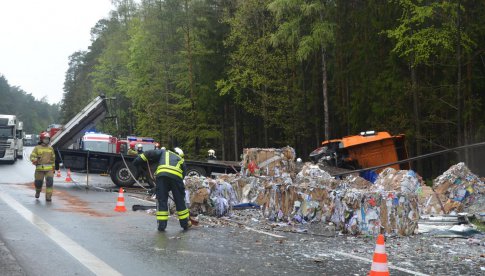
pixel 417 123
pixel 191 78
pixel 459 96
pixel 235 134
pixel 325 95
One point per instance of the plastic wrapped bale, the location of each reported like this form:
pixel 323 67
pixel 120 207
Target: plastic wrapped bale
pixel 464 190
pixel 270 162
pixel 223 198
pixel 405 181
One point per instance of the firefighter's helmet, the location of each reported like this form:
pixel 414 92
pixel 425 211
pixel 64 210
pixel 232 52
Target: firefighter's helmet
pixel 179 151
pixel 132 145
pixel 139 146
pixel 44 135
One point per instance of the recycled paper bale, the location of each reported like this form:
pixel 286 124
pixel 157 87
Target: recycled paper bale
pixel 431 203
pixel 357 182
pixel 365 212
pixel 313 171
pixel 198 190
pixel 271 161
pixel 463 189
pixel 406 181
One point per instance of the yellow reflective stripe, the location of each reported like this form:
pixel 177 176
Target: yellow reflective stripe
pixel 162 170
pixel 184 216
pixel 167 158
pixel 162 217
pixel 45 167
pixel 160 213
pixel 183 212
pixel 43 150
pixel 143 157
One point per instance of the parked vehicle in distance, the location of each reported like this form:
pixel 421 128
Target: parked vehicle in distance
pixel 11 138
pixel 30 140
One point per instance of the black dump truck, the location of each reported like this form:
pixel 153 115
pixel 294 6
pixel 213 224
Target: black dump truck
pixel 68 153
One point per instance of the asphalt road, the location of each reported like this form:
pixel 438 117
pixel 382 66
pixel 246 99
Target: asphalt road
pixel 79 233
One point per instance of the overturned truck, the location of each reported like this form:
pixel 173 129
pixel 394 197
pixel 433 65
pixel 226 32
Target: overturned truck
pixel 68 152
pixel 366 150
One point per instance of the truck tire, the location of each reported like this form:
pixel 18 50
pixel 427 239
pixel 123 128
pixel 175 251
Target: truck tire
pixel 120 175
pixel 196 171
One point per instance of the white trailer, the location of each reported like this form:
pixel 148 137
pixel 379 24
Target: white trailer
pixel 11 138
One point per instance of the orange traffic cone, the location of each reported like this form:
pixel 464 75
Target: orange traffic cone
pixel 120 205
pixel 379 263
pixel 68 177
pixel 58 173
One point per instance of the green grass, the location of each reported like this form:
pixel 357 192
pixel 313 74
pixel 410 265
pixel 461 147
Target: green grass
pixel 480 225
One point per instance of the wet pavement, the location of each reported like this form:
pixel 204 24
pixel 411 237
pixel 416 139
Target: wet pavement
pixel 130 244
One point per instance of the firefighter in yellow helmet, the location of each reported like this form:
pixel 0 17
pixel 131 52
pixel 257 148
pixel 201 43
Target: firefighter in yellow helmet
pixel 43 157
pixel 169 177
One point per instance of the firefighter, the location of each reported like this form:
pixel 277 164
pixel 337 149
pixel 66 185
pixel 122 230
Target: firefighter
pixel 43 158
pixel 139 149
pixel 157 145
pixel 169 177
pixel 212 154
pixel 132 150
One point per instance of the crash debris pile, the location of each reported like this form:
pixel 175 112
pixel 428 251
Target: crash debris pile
pixel 268 162
pixel 458 190
pixel 353 204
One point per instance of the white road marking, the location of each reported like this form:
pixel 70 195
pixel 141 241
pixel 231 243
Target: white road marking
pixel 262 232
pixel 370 261
pixel 86 258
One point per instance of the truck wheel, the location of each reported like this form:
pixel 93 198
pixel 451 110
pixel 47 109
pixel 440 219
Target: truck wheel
pixel 196 171
pixel 120 175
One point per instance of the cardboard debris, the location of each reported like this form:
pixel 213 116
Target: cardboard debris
pixel 393 205
pixel 268 162
pixel 353 205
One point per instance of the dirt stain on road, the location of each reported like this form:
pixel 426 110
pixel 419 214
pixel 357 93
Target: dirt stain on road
pixel 75 204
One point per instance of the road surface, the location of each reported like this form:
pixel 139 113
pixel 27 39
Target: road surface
pixel 79 233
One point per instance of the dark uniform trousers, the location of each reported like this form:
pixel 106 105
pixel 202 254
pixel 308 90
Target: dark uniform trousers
pixel 166 184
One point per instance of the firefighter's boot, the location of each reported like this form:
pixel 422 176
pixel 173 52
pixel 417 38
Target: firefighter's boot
pixel 48 194
pixel 162 224
pixel 187 225
pixel 37 193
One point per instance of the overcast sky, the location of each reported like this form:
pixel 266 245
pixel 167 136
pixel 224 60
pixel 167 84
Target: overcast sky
pixel 38 36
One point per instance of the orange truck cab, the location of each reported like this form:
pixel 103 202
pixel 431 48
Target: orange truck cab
pixel 368 149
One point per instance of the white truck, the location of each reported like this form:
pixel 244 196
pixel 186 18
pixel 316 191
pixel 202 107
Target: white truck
pixel 11 138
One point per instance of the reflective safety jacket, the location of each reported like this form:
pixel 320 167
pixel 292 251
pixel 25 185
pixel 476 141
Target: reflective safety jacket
pixel 44 156
pixel 169 163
